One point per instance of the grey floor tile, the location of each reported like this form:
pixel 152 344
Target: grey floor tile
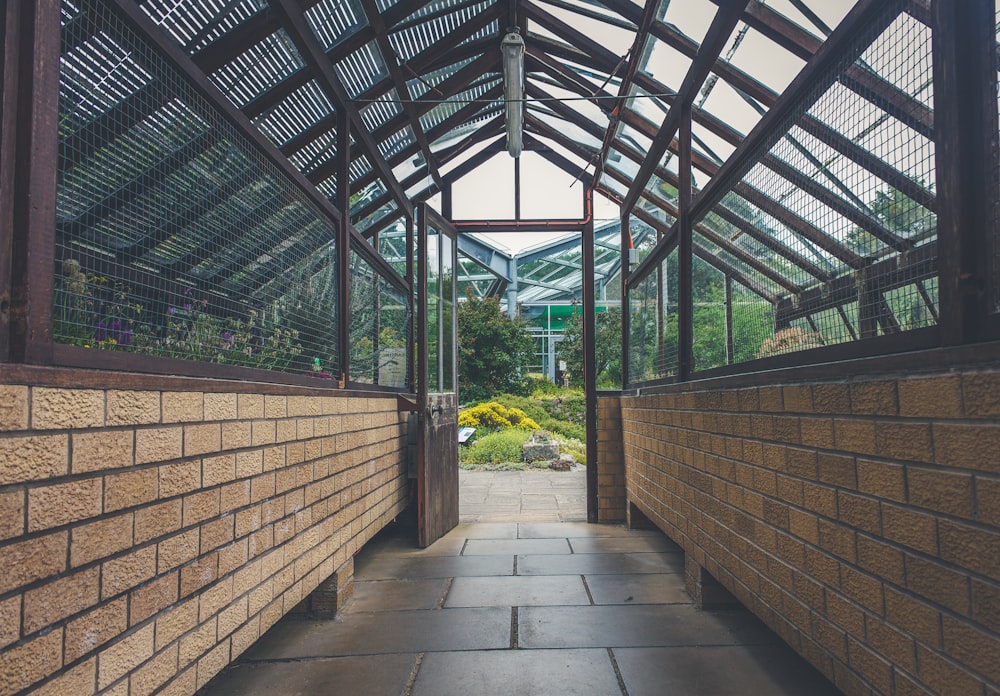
pixel 495 547
pixel 635 626
pixel 639 544
pixel 517 591
pixel 381 675
pixel 396 595
pixel 650 588
pixel 386 632
pixel 600 564
pixel 379 568
pixel 484 530
pixel 517 673
pixel 771 670
pixel 576 530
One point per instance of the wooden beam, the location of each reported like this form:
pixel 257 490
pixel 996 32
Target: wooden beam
pixel 964 52
pixel 29 176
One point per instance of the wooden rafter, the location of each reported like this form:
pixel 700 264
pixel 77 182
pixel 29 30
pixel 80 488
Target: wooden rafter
pixel 312 53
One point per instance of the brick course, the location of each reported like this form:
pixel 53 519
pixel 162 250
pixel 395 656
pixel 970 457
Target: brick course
pixel 149 537
pixel 858 518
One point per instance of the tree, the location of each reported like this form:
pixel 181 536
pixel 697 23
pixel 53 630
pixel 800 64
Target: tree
pixel 607 349
pixel 492 348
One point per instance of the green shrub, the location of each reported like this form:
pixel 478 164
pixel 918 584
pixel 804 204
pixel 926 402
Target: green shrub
pixel 492 415
pixel 496 448
pixel 564 415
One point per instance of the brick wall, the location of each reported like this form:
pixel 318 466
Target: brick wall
pixel 148 537
pixel 859 518
pixel 610 460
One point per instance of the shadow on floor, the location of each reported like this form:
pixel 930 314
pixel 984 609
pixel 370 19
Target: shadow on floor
pixel 527 607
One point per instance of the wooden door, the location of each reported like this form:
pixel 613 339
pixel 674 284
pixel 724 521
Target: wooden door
pixel 437 326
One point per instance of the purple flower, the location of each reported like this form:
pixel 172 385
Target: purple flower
pixel 126 337
pixel 115 330
pixel 227 339
pixel 187 306
pixel 171 311
pixel 101 334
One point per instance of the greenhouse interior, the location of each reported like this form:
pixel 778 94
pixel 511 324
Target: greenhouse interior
pixel 236 235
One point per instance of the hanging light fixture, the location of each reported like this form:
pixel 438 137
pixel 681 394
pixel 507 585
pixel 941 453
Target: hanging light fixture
pixel 512 48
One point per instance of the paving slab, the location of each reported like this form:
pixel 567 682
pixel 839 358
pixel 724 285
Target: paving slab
pixel 635 626
pixel 381 674
pixel 512 672
pixel 578 530
pixel 651 588
pixel 396 595
pixel 517 591
pixel 484 530
pixel 388 568
pixel 517 547
pixel 638 544
pixel 376 633
pixel 600 564
pixel 756 670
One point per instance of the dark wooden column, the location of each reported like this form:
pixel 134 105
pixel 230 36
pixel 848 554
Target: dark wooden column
pixel 343 204
pixel 965 126
pixel 31 34
pixel 589 361
pixel 626 228
pixel 685 252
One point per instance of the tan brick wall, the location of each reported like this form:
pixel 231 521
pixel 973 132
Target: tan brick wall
pixel 149 537
pixel 610 460
pixel 858 518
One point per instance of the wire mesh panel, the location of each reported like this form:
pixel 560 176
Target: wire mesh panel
pixel 175 236
pixel 652 337
pixel 708 318
pixel 831 218
pixel 394 322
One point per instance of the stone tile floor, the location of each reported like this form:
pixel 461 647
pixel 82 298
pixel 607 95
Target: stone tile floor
pixel 523 597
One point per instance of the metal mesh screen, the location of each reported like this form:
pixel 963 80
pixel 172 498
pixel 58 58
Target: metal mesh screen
pixel 380 328
pixel 652 338
pixel 175 236
pixel 708 317
pixel 833 221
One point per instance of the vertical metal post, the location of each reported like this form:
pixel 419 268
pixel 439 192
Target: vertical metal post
pixel 422 386
pixel 343 203
pixel 517 188
pixel 729 321
pixel 411 372
pixel 965 124
pixel 685 252
pixel 589 361
pixel 446 202
pixel 27 231
pixel 626 230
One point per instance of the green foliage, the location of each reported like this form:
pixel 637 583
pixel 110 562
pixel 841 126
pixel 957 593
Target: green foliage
pixel 496 448
pixel 898 212
pixel 95 312
pixel 607 349
pixel 495 416
pixel 564 416
pixel 492 347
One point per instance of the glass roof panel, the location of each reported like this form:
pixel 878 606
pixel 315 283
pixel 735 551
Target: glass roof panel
pixel 258 69
pixel 332 21
pixel 196 23
pixel 296 113
pixel 362 69
pixel 414 39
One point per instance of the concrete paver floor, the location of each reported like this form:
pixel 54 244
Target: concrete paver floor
pixel 531 605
